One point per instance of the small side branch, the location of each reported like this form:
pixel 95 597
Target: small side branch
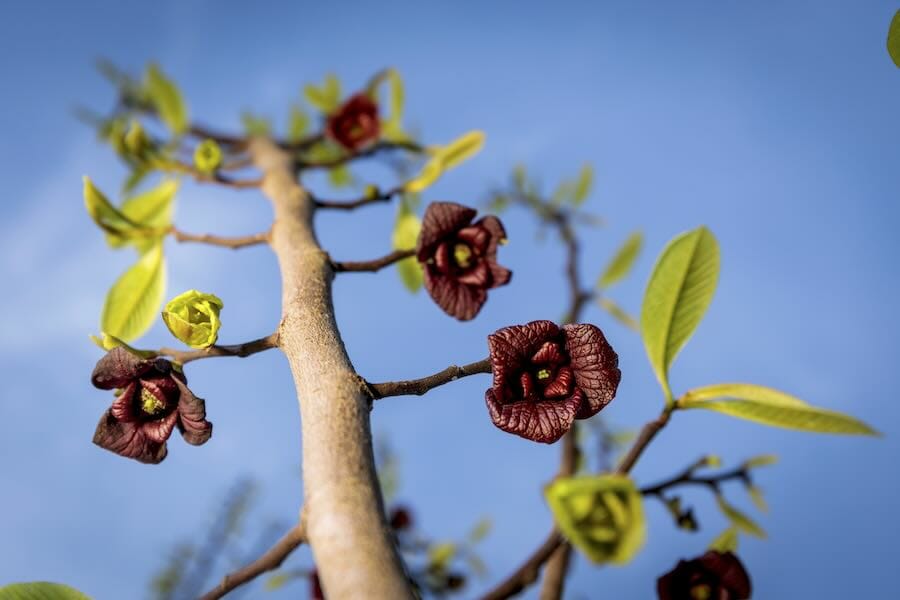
pixel 370 151
pixel 528 572
pixel 226 242
pixel 687 477
pixel 371 266
pixel 647 434
pixel 419 387
pixel 364 201
pixel 239 350
pixel 272 559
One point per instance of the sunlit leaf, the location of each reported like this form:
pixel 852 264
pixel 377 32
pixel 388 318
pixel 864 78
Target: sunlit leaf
pixel 340 176
pixel 757 497
pixel 105 215
pixel 727 541
pixel 135 298
pixel 166 99
pixel 440 555
pixel 763 460
pixel 618 313
pixel 328 97
pixel 622 261
pixel 771 407
pixel 602 515
pixel 583 185
pixel 150 210
pixel 298 124
pixel 255 125
pixel 893 39
pixel 678 294
pixel 444 158
pixel 406 233
pixel 739 519
pixel 40 590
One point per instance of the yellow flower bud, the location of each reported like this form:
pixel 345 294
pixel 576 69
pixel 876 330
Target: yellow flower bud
pixel 193 318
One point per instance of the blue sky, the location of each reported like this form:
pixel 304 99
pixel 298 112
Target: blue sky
pixel 775 124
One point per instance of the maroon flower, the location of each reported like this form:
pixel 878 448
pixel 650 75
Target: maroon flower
pixel 154 399
pixel 400 518
pixel 355 124
pixel 460 257
pixel 546 376
pixel 713 576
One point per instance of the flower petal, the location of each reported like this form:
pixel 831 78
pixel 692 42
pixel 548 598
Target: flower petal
pixel 117 368
pixel 544 422
pixel 475 236
pixel 510 349
pixel 729 571
pixel 457 300
pixel 478 276
pixel 128 439
pixel 595 365
pixel 441 220
pixel 192 423
pixel 561 386
pixel 548 354
pixel 122 408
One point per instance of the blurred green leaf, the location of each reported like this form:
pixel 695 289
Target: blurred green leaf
pixel 758 499
pixel 406 233
pixel 326 98
pixel 480 530
pixel 207 156
pixel 135 298
pixel 678 294
pixel 444 158
pixel 583 185
pixel 104 214
pixel 440 555
pixel 622 261
pixel 340 176
pixel 727 541
pixel 40 590
pixel 893 39
pixel 166 99
pixel 771 407
pixel 298 124
pixel 739 519
pixel 603 516
pixel 763 460
pixel 618 313
pixel 150 211
pixel 255 125
pixel 392 127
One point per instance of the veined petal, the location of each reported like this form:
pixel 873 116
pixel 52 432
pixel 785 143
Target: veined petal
pixel 128 439
pixel 543 422
pixel 595 366
pixel 192 423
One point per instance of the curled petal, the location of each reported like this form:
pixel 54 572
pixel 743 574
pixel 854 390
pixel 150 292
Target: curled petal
pixel 730 572
pixel 117 368
pixel 456 299
pixel 442 261
pixel 479 275
pixel 159 430
pixel 122 408
pixel 527 382
pixel 192 423
pixel 475 236
pixel 561 386
pixel 544 422
pixel 441 220
pixel 128 439
pixel 595 366
pixel 511 348
pixel 548 354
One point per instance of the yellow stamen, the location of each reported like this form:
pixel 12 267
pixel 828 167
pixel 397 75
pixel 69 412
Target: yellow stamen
pixel 543 374
pixel 462 254
pixel 150 404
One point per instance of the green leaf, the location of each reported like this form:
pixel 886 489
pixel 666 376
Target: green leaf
pixel 104 214
pixel 340 176
pixel 480 530
pixel 255 125
pixel 150 211
pixel 893 39
pixel 440 555
pixel 727 541
pixel 757 497
pixel 328 97
pixel 583 185
pixel 618 313
pixel 406 233
pixel 40 590
pixel 166 99
pixel 739 519
pixel 622 261
pixel 135 298
pixel 678 294
pixel 603 515
pixel 444 158
pixel 298 124
pixel 771 407
pixel 763 460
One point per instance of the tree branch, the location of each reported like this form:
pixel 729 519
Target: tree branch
pixel 370 151
pixel 687 477
pixel 227 242
pixel 528 573
pixel 270 560
pixel 364 201
pixel 419 387
pixel 239 350
pixel 648 432
pixel 371 266
pixel 345 517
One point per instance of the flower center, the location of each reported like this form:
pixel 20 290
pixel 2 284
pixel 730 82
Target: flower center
pixel 462 254
pixel 150 403
pixel 543 374
pixel 701 591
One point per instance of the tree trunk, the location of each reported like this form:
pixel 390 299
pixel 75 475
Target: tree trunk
pixel 343 509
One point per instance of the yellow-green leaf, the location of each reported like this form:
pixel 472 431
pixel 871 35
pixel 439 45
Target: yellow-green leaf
pixel 328 97
pixel 763 460
pixel 480 530
pixel 602 515
pixel 444 158
pixel 104 214
pixel 298 124
pixel 406 233
pixel 440 555
pixel 40 590
pixel 151 212
pixel 772 407
pixel 727 541
pixel 678 294
pixel 893 39
pixel 135 298
pixel 739 519
pixel 426 177
pixel 583 185
pixel 618 313
pixel 166 98
pixel 622 261
pixel 340 176
pixel 756 496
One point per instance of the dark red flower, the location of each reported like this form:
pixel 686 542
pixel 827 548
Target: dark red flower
pixel 460 257
pixel 355 124
pixel 154 399
pixel 400 518
pixel 546 376
pixel 713 576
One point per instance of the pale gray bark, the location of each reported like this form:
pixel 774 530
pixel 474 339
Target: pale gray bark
pixel 344 514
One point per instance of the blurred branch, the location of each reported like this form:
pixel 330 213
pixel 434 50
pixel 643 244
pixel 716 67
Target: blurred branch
pixel 239 350
pixel 687 477
pixel 364 201
pixel 270 560
pixel 419 387
pixel 227 242
pixel 370 151
pixel 372 266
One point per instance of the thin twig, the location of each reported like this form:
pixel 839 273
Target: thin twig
pixel 420 386
pixel 370 151
pixel 528 572
pixel 687 477
pixel 270 560
pixel 227 242
pixel 648 432
pixel 364 201
pixel 239 350
pixel 371 266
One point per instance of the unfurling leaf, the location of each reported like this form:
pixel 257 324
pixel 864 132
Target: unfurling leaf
pixel 298 124
pixel 771 407
pixel 756 496
pixel 603 516
pixel 444 158
pixel 40 590
pixel 678 294
pixel 893 39
pixel 328 97
pixel 166 99
pixel 440 555
pixel 134 299
pixel 406 232
pixel 763 460
pixel 193 318
pixel 151 213
pixel 739 519
pixel 618 313
pixel 727 541
pixel 622 261
pixel 104 214
pixel 207 157
pixel 255 125
pixel 583 185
